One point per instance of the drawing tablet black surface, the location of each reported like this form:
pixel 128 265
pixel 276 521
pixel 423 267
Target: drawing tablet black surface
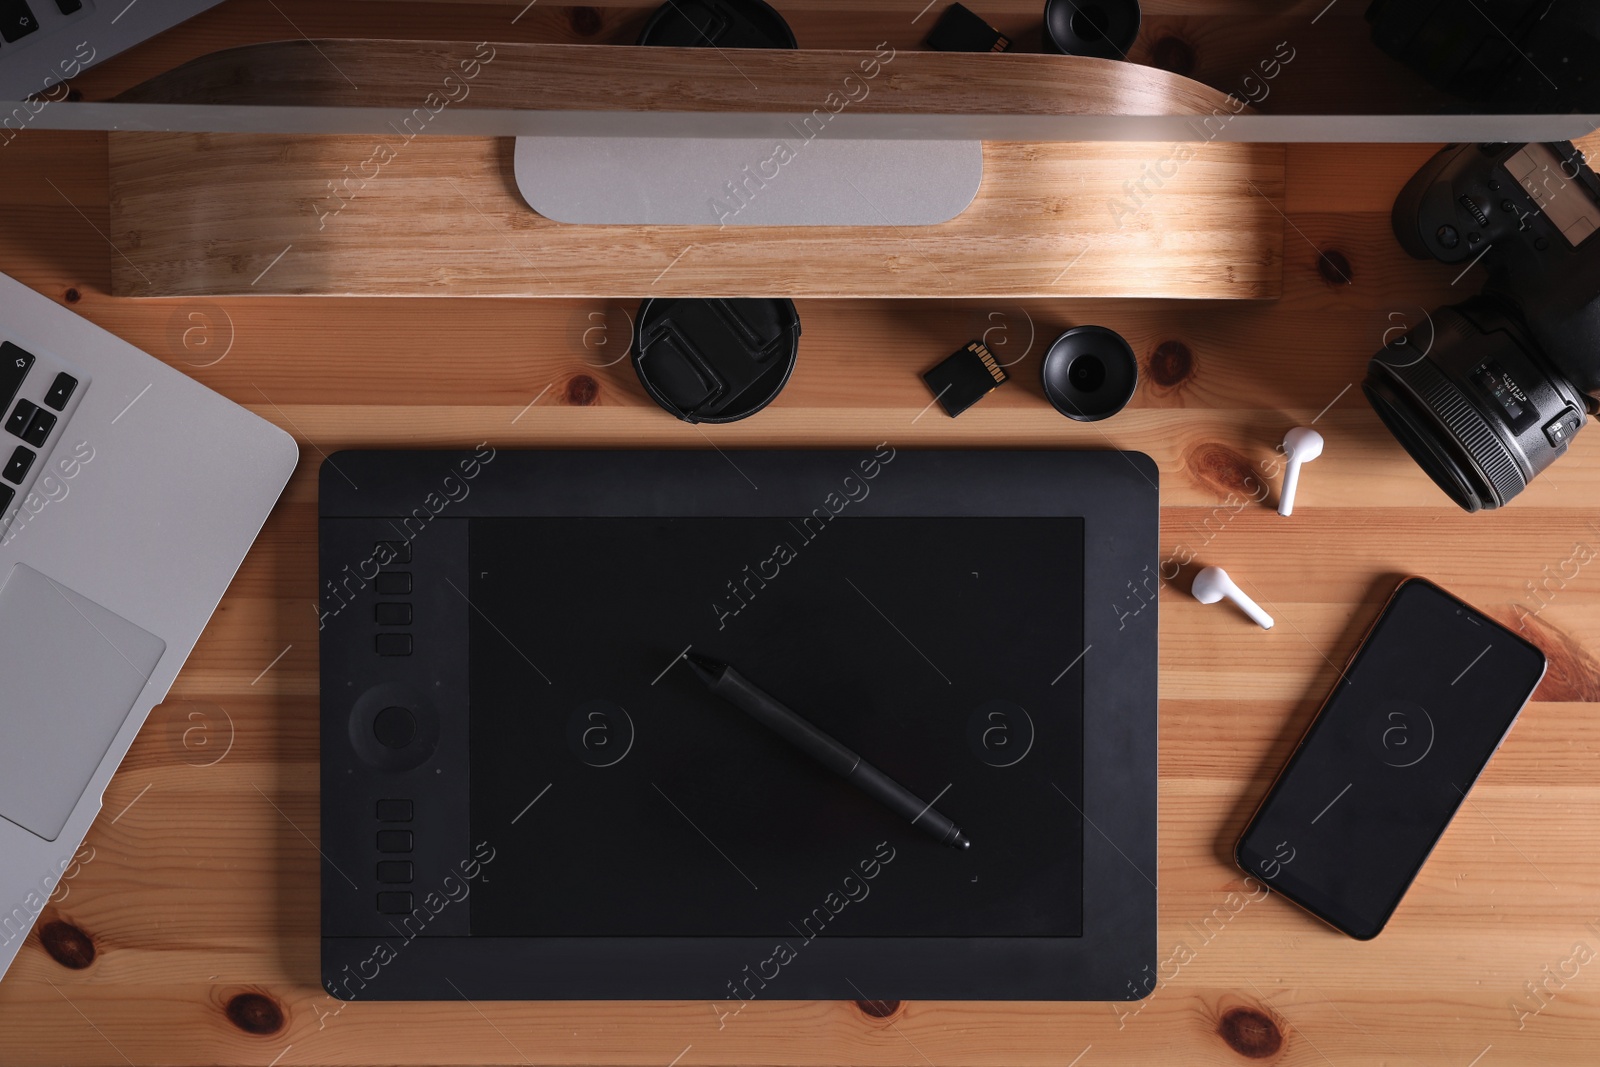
pixel 528 793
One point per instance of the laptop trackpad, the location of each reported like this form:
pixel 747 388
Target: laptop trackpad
pixel 70 671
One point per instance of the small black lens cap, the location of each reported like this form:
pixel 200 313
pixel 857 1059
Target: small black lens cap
pixel 1102 28
pixel 715 360
pixel 717 24
pixel 1090 373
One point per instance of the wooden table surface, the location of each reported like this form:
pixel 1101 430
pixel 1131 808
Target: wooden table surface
pixel 188 934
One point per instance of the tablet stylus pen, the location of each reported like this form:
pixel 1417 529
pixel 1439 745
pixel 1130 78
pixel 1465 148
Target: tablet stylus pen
pixel 733 687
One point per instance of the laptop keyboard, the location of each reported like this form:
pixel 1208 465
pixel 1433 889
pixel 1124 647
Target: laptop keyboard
pixel 29 420
pixel 21 18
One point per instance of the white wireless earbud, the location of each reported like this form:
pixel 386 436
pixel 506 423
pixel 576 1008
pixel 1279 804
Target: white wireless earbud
pixel 1302 445
pixel 1213 584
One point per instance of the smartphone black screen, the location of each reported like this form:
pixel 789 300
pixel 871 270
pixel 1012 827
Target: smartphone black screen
pixel 1389 758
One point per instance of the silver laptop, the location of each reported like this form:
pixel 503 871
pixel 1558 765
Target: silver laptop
pixel 43 42
pixel 129 494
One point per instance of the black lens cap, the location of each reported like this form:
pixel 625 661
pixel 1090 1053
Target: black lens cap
pixel 1102 28
pixel 717 24
pixel 715 360
pixel 1090 373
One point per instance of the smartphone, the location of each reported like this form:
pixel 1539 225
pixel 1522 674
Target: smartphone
pixel 1393 752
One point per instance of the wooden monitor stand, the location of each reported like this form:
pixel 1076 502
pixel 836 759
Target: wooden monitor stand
pixel 391 210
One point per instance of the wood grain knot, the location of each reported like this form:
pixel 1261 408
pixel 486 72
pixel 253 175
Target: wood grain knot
pixel 1573 675
pixel 582 390
pixel 585 21
pixel 73 296
pixel 1334 266
pixel 878 1009
pixel 1174 54
pixel 1224 471
pixel 1250 1033
pixel 67 945
pixel 1171 364
pixel 255 1013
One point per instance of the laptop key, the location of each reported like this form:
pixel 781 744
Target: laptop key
pixel 17 469
pixel 7 494
pixel 394 644
pixel 38 431
pixel 14 366
pixel 21 415
pixel 395 872
pixel 61 391
pixel 69 7
pixel 393 583
pixel 17 20
pixel 394 841
pixel 392 614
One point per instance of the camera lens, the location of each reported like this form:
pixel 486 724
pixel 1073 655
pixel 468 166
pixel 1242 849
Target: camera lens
pixel 1474 402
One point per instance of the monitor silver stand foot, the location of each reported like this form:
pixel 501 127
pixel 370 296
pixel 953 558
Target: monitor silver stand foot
pixel 780 181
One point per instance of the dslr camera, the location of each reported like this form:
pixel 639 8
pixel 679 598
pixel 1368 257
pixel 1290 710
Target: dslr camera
pixel 1487 393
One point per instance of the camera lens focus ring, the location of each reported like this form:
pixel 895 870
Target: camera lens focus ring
pixel 1484 450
